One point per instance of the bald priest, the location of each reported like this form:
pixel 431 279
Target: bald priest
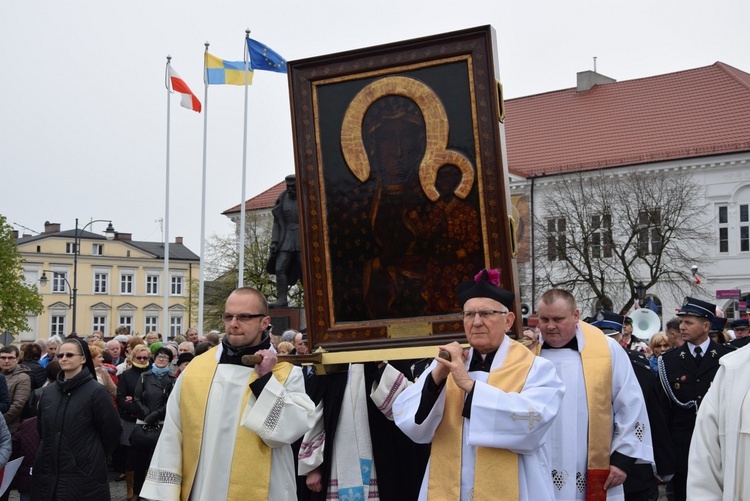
pixel 485 411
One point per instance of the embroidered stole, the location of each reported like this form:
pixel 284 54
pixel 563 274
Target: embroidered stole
pixel 596 360
pixel 250 452
pixel 495 470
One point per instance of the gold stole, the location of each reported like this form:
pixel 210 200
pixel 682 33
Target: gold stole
pixel 495 470
pixel 596 360
pixel 250 452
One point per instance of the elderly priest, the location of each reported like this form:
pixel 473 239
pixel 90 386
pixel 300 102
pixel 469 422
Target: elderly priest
pixel 487 410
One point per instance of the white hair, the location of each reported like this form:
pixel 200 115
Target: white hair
pixel 54 339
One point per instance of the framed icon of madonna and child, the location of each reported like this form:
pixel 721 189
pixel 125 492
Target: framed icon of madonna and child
pixel 403 187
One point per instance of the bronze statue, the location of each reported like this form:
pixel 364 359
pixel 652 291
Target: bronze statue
pixel 285 260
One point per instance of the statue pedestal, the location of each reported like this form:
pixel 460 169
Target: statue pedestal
pixel 286 318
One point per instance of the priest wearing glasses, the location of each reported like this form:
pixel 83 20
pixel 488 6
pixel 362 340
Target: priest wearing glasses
pixel 228 427
pixel 486 411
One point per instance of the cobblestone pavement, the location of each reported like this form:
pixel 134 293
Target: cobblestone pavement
pixel 117 489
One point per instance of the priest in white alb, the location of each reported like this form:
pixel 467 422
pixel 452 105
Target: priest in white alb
pixel 720 448
pixel 603 427
pixel 228 427
pixel 486 411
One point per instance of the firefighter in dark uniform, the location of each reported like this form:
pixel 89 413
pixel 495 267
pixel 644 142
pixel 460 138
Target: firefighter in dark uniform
pixel 641 483
pixel 686 374
pixel 741 328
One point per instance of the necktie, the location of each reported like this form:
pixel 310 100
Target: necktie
pixel 698 355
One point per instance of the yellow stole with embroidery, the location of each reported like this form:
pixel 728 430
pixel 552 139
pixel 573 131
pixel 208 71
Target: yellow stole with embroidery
pixel 495 470
pixel 597 374
pixel 250 452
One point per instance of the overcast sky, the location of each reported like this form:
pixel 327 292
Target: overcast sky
pixel 83 120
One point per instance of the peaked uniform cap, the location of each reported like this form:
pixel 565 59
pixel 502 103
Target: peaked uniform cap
pixel 697 308
pixel 610 321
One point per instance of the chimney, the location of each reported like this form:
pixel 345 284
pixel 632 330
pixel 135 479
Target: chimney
pixel 15 234
pixel 51 227
pixel 26 235
pixel 123 236
pixel 178 240
pixel 587 79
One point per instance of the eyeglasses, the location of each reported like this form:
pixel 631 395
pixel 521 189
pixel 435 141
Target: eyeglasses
pixel 68 355
pixel 483 314
pixel 141 358
pixel 162 357
pixel 8 358
pixel 241 317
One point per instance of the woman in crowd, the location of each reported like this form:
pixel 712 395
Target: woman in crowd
pixel 78 426
pixel 150 399
pixel 139 360
pixel 658 344
pixel 102 376
pixel 30 355
pixel 285 348
pixel 182 362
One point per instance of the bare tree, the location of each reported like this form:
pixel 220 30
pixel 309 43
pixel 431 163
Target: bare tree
pixel 605 234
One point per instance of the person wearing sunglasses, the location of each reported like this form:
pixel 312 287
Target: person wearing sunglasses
pixel 140 362
pixel 151 394
pixel 228 426
pixel 79 427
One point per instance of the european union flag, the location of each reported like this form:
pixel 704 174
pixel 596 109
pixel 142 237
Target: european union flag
pixel 263 57
pixel 220 72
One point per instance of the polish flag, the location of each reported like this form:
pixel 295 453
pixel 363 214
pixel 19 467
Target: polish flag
pixel 176 83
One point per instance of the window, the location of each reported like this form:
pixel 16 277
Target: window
pixel 99 323
pixel 176 285
pixel 744 228
pixel 100 283
pixel 151 324
pixel 97 249
pixel 601 236
pixel 126 321
pixel 556 239
pixel 175 326
pixel 57 326
pixel 649 232
pixel 70 248
pixel 152 284
pixel 126 283
pixel 724 229
pixel 58 283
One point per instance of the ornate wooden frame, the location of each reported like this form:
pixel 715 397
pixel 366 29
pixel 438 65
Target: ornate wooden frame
pixel 452 80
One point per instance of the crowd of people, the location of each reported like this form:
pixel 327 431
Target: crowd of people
pixel 71 405
pixel 585 410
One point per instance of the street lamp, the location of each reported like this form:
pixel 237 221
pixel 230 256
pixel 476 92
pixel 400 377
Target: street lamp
pixel 640 292
pixel 110 234
pixel 43 280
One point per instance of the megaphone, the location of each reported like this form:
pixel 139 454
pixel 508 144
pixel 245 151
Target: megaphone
pixel 646 323
pixel 525 310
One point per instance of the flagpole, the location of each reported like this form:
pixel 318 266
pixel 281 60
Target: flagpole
pixel 241 264
pixel 166 223
pixel 203 196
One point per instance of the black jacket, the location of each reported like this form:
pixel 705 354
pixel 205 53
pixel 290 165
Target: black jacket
pixel 36 373
pixel 79 427
pixel 151 395
pixel 687 381
pixel 126 384
pixel 641 476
